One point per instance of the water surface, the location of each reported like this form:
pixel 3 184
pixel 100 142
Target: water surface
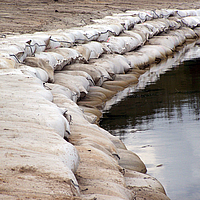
pixel 161 123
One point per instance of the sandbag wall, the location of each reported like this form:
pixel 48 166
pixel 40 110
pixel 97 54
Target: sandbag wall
pixel 54 85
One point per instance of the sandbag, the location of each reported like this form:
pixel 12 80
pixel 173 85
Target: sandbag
pixel 121 45
pixel 137 179
pixel 81 82
pixel 55 88
pixel 43 112
pixel 114 85
pixel 115 140
pixel 69 82
pixel 129 78
pixel 40 63
pixel 95 48
pixel 103 33
pixel 26 154
pixel 84 53
pixel 130 160
pixel 94 135
pixel 191 22
pixel 91 110
pixel 60 39
pixel 148 193
pixel 121 64
pixel 70 55
pixel 80 73
pixel 78 35
pixel 55 60
pixel 138 59
pixel 98 74
pixel 35 72
pixel 7 63
pixel 94 164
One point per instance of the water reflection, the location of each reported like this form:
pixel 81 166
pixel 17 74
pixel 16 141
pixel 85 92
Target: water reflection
pixel 161 123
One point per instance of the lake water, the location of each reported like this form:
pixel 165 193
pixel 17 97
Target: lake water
pixel 161 123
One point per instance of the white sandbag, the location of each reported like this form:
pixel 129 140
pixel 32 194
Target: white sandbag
pixel 72 111
pixel 139 27
pixel 39 44
pixel 102 31
pixel 7 63
pixel 80 73
pixel 179 35
pixel 136 35
pixel 78 35
pixel 121 45
pixel 48 58
pixel 154 52
pixel 39 142
pixel 143 15
pixel 17 51
pixel 36 42
pixel 40 63
pixel 189 33
pixel 173 24
pixel 19 46
pixel 60 60
pixel 44 115
pixel 31 83
pixel 115 45
pixel 163 13
pixel 115 29
pixel 107 65
pixel 185 13
pixel 95 73
pixel 197 31
pixel 91 34
pixel 191 22
pixel 78 84
pixel 37 72
pixel 60 38
pixel 95 48
pixel 154 30
pixel 121 64
pixel 126 21
pixel 55 88
pixel 131 43
pixel 35 155
pixel 70 55
pixel 137 59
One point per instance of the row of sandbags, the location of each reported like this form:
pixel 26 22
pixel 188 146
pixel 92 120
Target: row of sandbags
pixel 79 77
pixel 145 77
pixel 32 145
pixel 18 47
pixel 34 155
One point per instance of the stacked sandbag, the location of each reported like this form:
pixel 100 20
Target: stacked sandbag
pixel 34 154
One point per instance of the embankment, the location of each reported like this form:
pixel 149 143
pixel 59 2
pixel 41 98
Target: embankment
pixel 54 87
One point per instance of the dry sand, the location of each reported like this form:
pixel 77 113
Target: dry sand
pixel 29 16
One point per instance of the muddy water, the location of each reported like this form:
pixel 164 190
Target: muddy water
pixel 161 123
